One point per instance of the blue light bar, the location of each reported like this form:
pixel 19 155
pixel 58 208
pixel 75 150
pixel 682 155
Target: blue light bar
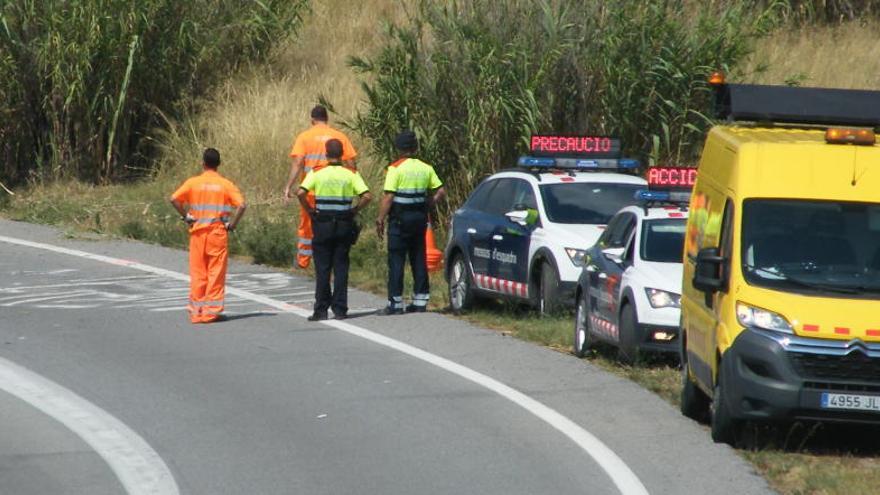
pixel 646 195
pixel 578 163
pixel 534 161
pixel 663 196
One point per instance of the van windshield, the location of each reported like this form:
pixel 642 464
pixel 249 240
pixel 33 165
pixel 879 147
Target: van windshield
pixel 586 202
pixel 825 247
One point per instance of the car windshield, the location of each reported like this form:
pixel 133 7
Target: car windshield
pixel 826 247
pixel 586 202
pixel 663 240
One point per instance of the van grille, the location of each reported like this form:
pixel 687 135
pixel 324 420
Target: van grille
pixel 855 366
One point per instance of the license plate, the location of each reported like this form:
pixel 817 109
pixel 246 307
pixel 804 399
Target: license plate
pixel 851 402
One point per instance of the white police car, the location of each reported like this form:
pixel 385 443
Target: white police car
pixel 523 233
pixel 629 290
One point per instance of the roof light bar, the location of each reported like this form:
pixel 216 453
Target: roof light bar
pixel 578 163
pixel 644 195
pixel 864 137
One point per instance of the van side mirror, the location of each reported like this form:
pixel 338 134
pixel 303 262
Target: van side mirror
pixel 707 274
pixel 614 254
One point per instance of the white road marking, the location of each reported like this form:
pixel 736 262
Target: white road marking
pixel 620 474
pixel 68 295
pixel 66 306
pixel 138 467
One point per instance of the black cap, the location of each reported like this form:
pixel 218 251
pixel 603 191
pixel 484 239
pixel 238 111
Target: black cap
pixel 406 141
pixel 334 149
pixel 319 113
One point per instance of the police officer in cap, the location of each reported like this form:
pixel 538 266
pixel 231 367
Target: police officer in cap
pixel 334 228
pixel 412 188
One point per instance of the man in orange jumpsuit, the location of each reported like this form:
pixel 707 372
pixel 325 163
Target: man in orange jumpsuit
pixel 308 154
pixel 211 206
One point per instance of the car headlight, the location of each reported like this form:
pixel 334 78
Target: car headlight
pixel 752 317
pixel 577 256
pixel 663 299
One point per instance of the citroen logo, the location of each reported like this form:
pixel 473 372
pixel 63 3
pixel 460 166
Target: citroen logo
pixel 856 345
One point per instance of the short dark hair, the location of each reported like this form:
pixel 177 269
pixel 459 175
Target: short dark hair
pixel 319 113
pixel 334 149
pixel 211 158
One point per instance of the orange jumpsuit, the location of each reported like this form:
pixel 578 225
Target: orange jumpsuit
pixel 311 145
pixel 211 199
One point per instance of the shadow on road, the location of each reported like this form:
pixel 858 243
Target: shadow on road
pixel 242 316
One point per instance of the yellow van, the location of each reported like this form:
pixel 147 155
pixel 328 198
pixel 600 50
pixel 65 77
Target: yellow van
pixel 781 290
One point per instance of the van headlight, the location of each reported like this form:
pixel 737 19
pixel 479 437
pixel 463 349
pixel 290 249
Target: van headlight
pixel 577 256
pixel 663 299
pixel 752 317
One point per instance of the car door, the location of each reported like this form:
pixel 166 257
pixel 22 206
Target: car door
pixel 483 228
pixel 470 220
pixel 610 273
pixel 597 267
pixel 511 240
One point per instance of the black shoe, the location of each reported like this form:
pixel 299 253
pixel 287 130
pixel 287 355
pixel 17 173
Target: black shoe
pixel 340 316
pixel 412 308
pixel 388 311
pixel 317 317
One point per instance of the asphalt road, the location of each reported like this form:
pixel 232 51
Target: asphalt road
pixel 269 403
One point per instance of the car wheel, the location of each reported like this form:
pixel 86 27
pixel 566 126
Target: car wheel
pixel 461 293
pixel 724 427
pixel 582 337
pixel 548 292
pixel 627 335
pixel 694 403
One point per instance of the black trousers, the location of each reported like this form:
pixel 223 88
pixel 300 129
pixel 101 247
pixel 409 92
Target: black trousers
pixel 331 245
pixel 406 239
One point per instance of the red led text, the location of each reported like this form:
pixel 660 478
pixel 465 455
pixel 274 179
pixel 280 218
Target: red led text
pixel 672 177
pixel 571 144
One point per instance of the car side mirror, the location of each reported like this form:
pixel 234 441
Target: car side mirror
pixel 707 274
pixel 615 254
pixel 519 217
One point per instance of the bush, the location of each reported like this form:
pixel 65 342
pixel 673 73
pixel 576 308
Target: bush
pixel 474 79
pixel 270 242
pixel 83 83
pixel 133 230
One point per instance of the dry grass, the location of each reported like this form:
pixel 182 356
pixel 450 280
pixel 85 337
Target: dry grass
pixel 254 117
pixel 844 56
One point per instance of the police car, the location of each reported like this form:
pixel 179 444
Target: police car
pixel 629 290
pixel 523 233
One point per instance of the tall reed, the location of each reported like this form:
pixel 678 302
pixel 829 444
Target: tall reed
pixel 84 83
pixel 474 78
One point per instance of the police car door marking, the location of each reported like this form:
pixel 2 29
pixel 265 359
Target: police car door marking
pixel 626 481
pixel 507 287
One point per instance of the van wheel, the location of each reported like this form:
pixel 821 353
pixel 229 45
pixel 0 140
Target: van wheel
pixel 724 427
pixel 628 339
pixel 582 337
pixel 694 403
pixel 548 292
pixel 461 292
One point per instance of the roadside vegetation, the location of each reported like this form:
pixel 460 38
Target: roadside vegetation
pixel 471 77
